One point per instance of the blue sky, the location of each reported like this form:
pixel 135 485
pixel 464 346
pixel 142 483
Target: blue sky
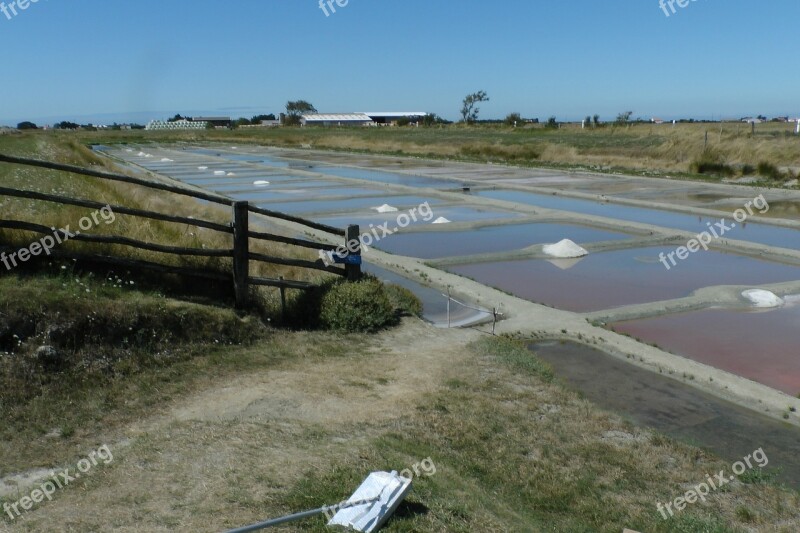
pixel 104 60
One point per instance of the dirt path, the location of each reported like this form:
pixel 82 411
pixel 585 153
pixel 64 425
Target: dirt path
pixel 237 444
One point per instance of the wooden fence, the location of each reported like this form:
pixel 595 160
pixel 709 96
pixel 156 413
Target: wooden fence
pixel 239 229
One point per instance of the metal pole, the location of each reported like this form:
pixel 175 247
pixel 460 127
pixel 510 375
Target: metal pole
pixel 300 516
pixel 448 306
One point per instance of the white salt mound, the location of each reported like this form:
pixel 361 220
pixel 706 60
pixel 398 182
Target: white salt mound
pixel 166 160
pixel 219 172
pixel 260 183
pixel 202 168
pixel 385 208
pixel 441 220
pixel 761 298
pixel 141 154
pixel 564 249
pixel 231 174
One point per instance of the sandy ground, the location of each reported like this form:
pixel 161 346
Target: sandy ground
pixel 263 421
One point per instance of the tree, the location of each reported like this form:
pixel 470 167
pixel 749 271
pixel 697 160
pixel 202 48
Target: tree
pixel 624 117
pixel 513 119
pixel 294 110
pixel 432 119
pixel 242 122
pixel 66 125
pixel 27 126
pixel 552 123
pixel 596 120
pixel 178 117
pixel 469 111
pixel 587 121
pixel 259 118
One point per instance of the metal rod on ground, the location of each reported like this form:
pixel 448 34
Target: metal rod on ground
pixel 300 516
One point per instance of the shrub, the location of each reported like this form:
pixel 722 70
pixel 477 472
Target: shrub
pixel 709 162
pixel 768 170
pixel 363 306
pixel 403 300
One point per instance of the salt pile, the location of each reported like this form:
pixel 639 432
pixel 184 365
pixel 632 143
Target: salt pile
pixel 202 168
pixel 141 154
pixel 166 160
pixel 219 172
pixel 564 249
pixel 385 208
pixel 260 183
pixel 761 298
pixel 231 174
pixel 441 220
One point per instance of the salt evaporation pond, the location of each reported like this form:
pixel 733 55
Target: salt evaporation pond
pixel 504 238
pixel 622 277
pixel 760 233
pixel 757 344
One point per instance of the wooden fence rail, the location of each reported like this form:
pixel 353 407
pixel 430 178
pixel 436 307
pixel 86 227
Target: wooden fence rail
pixel 239 228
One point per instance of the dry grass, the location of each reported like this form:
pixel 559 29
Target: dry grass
pixel 513 451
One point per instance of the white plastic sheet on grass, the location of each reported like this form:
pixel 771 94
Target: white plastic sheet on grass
pixel 391 488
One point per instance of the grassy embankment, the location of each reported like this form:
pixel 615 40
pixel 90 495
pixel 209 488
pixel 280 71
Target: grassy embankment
pixel 773 154
pixel 81 344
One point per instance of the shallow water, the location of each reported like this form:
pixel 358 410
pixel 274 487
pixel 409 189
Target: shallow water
pixel 758 345
pixel 433 245
pixel 605 280
pixel 760 233
pixel 675 409
pixel 433 302
pixel 353 205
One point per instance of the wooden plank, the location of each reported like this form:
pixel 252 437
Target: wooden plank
pixel 136 263
pixel 301 263
pixel 241 253
pixel 117 209
pixel 289 284
pixel 290 218
pixel 110 239
pixel 353 235
pixel 217 199
pixel 289 240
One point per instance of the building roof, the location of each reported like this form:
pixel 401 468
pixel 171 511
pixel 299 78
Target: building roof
pixel 397 114
pixel 337 117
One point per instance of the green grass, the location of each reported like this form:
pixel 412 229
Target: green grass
pixel 515 452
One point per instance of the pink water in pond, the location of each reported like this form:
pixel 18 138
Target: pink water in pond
pixel 623 277
pixel 761 346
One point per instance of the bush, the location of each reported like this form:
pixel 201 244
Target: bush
pixel 363 306
pixel 768 170
pixel 403 300
pixel 712 163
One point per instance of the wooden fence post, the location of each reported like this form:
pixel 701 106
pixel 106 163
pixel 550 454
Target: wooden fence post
pixel 241 253
pixel 352 243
